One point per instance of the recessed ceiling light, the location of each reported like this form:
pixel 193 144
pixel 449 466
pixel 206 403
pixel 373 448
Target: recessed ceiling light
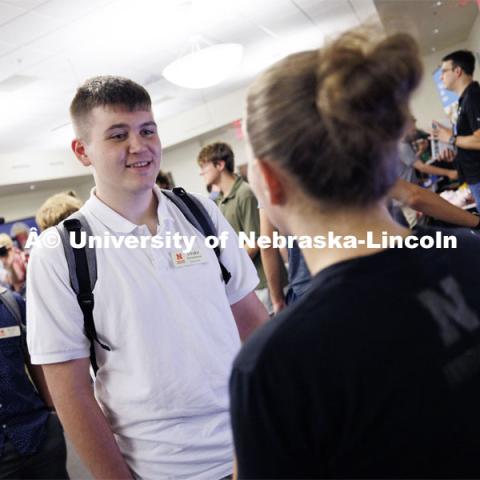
pixel 439 4
pixel 32 187
pixel 436 30
pixel 200 69
pixel 434 49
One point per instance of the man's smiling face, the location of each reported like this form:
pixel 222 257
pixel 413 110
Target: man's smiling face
pixel 123 147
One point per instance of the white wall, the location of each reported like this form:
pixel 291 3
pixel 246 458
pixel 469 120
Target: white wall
pixel 25 204
pixel 474 40
pixel 37 166
pixel 181 160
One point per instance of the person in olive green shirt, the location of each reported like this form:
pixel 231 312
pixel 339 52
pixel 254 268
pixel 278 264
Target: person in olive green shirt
pixel 237 203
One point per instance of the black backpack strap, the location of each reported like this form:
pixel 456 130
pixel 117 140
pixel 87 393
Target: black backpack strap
pixel 82 268
pixel 197 215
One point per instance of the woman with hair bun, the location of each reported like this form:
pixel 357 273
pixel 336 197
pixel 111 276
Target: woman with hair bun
pixel 375 371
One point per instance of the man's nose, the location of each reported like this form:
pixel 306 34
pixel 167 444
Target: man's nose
pixel 137 143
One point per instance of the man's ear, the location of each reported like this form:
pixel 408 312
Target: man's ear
pixel 273 180
pixel 220 165
pixel 78 147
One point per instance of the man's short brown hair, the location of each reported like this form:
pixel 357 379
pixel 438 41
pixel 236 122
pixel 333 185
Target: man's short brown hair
pixel 104 91
pixel 216 152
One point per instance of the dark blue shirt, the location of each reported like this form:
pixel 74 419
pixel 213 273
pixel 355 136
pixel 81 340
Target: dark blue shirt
pixel 23 415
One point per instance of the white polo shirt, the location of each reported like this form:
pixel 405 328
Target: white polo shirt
pixel 163 387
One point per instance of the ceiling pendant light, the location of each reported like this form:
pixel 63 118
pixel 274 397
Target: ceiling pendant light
pixel 204 67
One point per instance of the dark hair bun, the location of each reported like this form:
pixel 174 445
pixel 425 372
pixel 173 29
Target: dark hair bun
pixel 367 83
pixel 332 117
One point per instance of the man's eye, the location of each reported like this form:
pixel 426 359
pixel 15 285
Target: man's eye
pixel 119 136
pixel 148 132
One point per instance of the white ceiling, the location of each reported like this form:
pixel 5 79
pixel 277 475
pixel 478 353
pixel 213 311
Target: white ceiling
pixel 48 47
pixel 436 24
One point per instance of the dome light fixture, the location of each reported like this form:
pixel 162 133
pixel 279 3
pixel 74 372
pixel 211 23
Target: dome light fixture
pixel 204 67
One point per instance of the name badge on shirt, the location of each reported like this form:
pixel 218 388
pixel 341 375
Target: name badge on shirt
pixel 181 259
pixel 8 332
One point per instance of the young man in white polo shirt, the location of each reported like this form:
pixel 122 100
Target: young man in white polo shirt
pixel 159 406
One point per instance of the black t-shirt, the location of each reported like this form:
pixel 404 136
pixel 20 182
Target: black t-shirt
pixel 468 161
pixel 375 372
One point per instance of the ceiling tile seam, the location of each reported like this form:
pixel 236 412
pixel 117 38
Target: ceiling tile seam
pixel 10 20
pixel 354 10
pixel 26 12
pixel 261 27
pixel 64 24
pixel 34 64
pixel 304 13
pixel 27 44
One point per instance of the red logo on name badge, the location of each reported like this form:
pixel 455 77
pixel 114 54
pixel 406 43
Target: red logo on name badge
pixel 179 257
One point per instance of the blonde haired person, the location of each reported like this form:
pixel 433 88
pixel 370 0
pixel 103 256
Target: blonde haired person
pixel 371 373
pixel 56 208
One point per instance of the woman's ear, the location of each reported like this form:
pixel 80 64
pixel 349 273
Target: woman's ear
pixel 274 181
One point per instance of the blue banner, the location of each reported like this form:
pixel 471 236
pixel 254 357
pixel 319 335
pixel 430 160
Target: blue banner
pixel 19 230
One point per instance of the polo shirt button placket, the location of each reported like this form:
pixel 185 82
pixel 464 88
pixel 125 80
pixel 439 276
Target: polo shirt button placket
pixel 153 257
pixel 143 231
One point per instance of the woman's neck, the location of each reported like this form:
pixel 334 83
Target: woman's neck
pixel 361 224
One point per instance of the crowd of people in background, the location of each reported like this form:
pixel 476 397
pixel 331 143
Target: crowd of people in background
pixel 367 367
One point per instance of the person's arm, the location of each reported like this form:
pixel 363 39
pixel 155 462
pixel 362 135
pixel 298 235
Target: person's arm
pixel 38 378
pixel 447 155
pixel 431 204
pixel 249 314
pixel 83 420
pixel 432 170
pixel 35 371
pixel 235 468
pixel 272 265
pixel 252 252
pixel 467 142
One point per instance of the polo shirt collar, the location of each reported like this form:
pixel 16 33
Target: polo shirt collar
pixel 115 222
pixel 233 191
